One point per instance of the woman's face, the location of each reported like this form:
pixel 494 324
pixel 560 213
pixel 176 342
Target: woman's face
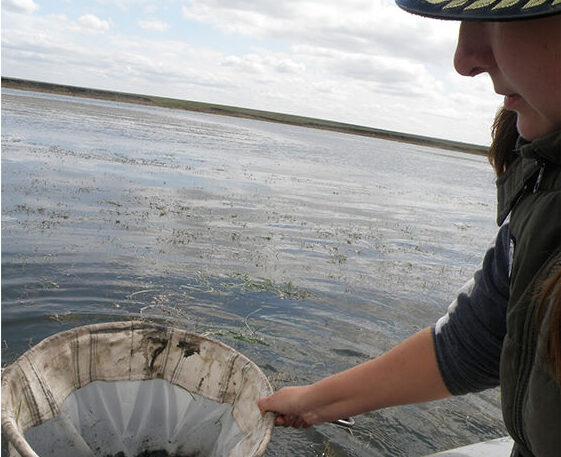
pixel 523 59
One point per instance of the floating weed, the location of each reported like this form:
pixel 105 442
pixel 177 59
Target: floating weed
pixel 244 336
pixel 61 317
pixel 138 292
pixel 177 316
pixel 161 305
pixel 245 333
pixel 328 450
pixel 282 290
pixel 48 284
pixel 338 259
pixel 239 334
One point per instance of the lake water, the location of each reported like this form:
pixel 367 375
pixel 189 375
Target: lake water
pixel 308 251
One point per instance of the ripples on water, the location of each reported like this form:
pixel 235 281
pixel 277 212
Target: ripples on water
pixel 308 251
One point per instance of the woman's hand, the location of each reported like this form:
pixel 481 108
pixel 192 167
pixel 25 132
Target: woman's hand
pixel 290 406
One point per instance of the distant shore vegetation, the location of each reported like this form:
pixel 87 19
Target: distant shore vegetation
pixel 224 110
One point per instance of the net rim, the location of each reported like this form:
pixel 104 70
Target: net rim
pixel 10 411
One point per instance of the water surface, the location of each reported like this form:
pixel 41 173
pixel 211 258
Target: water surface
pixel 309 251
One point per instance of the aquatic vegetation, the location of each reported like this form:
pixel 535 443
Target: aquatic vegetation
pixel 281 290
pixel 329 450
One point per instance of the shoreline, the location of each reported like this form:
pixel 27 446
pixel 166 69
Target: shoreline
pixel 224 110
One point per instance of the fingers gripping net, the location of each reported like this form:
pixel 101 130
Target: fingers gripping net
pixel 132 389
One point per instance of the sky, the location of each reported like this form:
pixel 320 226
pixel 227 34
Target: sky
pixel 364 62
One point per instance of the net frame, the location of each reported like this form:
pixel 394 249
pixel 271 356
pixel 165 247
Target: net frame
pixel 35 385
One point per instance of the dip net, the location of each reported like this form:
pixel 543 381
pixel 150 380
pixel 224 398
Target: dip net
pixel 133 389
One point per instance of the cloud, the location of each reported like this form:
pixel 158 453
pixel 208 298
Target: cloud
pixel 366 60
pixel 155 26
pixel 92 23
pixel 264 64
pixel 366 43
pixel 363 62
pixel 53 48
pixel 127 5
pixel 150 9
pixel 359 26
pixel 20 6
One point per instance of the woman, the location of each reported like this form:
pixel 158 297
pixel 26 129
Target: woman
pixel 496 332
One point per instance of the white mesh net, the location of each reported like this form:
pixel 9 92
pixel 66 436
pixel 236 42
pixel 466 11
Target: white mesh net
pixel 132 389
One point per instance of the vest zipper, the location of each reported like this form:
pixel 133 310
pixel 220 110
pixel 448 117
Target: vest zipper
pixel 528 186
pixel 527 361
pixel 542 164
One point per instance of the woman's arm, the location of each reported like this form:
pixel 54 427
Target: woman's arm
pixel 408 373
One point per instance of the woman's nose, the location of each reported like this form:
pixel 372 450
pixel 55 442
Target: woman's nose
pixel 474 53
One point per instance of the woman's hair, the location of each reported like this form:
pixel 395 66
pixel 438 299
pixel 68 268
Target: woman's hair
pixel 504 134
pixel 549 300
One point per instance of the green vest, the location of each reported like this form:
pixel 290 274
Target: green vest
pixel 530 191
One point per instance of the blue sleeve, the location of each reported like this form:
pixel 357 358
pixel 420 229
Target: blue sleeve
pixel 468 339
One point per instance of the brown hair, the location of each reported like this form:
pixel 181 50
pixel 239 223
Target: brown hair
pixel 504 134
pixel 549 296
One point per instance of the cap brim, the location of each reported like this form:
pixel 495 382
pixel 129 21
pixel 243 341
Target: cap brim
pixel 482 10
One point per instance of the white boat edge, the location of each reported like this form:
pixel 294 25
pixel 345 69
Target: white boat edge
pixel 499 447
